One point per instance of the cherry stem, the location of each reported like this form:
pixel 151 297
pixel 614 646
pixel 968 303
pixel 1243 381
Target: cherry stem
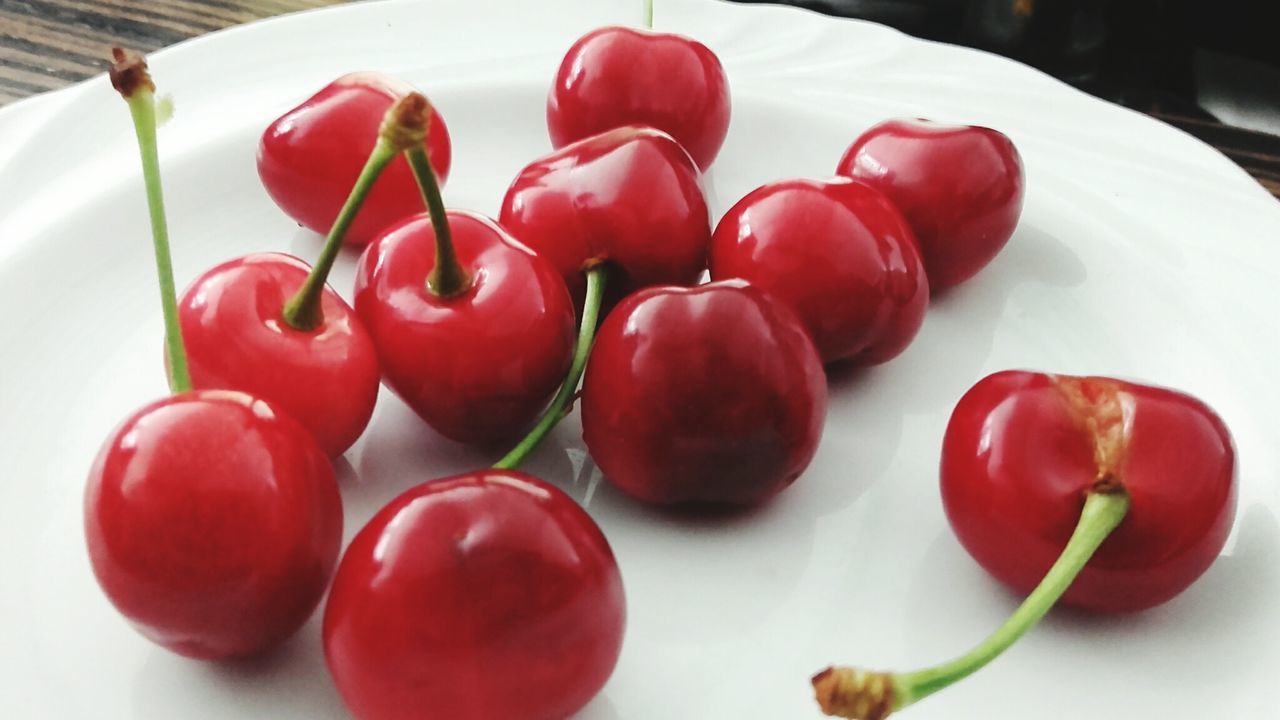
pixel 130 78
pixel 559 407
pixel 648 14
pixel 447 278
pixel 304 310
pixel 861 695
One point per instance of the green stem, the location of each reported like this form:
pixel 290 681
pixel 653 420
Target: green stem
pixel 648 14
pixel 559 405
pixel 129 76
pixel 303 311
pixel 854 693
pixel 447 278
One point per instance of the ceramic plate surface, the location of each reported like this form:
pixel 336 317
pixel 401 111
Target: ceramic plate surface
pixel 1141 253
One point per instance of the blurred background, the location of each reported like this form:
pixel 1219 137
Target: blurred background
pixel 1210 67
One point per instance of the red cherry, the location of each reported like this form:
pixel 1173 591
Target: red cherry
pixel 310 157
pixel 236 338
pixel 629 197
pixel 1019 456
pixel 1109 495
pixel 477 366
pixel 617 76
pixel 485 595
pixel 960 187
pixel 712 395
pixel 213 523
pixel 839 254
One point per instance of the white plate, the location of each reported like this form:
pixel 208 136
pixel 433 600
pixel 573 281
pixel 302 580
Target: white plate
pixel 1141 253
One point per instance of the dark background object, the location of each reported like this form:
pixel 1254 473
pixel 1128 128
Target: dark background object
pixel 1209 67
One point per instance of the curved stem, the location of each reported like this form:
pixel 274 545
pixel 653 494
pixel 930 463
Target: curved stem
pixel 447 278
pixel 303 311
pixel 560 404
pixel 851 693
pixel 648 14
pixel 130 78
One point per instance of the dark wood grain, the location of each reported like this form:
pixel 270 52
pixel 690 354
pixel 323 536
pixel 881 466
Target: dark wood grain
pixel 47 44
pixel 1256 152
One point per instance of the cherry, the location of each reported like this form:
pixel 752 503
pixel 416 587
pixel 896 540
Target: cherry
pixel 839 254
pixel 473 330
pixel 213 523
pixel 212 520
pixel 310 157
pixel 960 187
pixel 708 395
pixel 484 595
pixel 628 197
pixel 1022 449
pixel 237 338
pixel 477 366
pixel 616 76
pixel 1110 495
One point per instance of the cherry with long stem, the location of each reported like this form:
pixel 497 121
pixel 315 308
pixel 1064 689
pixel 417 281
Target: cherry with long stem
pixel 268 323
pixel 861 695
pixel 448 278
pixel 455 279
pixel 130 78
pixel 269 513
pixel 596 277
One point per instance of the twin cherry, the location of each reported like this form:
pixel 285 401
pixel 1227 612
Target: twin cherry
pixel 708 395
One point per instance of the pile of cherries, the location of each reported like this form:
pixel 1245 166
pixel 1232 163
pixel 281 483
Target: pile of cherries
pixel 213 517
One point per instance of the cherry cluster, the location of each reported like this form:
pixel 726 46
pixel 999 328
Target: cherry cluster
pixel 213 517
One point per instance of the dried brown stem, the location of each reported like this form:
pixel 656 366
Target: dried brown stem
pixel 854 694
pixel 405 124
pixel 128 72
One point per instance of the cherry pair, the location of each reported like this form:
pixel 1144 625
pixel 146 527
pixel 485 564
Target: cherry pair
pixel 928 205
pixel 267 323
pixel 707 395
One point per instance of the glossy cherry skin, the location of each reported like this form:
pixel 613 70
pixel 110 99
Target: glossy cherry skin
pixel 959 186
pixel 213 523
pixel 309 158
pixel 713 395
pixel 839 254
pixel 616 76
pixel 485 595
pixel 236 338
pixel 1019 456
pixel 480 366
pixel 629 197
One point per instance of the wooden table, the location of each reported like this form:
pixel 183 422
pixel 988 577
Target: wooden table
pixel 46 44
